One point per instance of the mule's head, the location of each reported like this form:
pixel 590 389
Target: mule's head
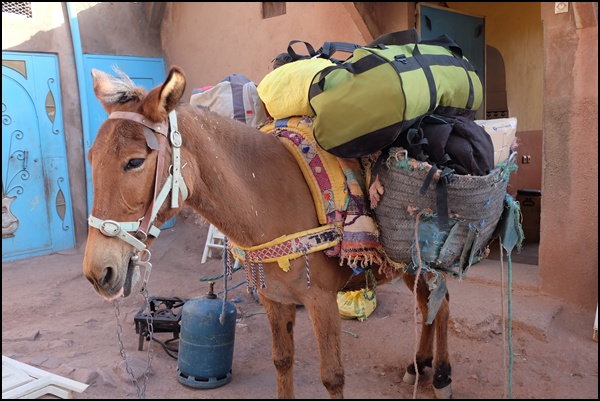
pixel 124 159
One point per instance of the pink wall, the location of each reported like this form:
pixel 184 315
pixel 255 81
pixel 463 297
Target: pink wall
pixel 213 40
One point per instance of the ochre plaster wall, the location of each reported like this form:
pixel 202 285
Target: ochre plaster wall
pixel 213 40
pixel 515 29
pixel 568 254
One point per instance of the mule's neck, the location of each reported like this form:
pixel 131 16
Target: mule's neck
pixel 245 182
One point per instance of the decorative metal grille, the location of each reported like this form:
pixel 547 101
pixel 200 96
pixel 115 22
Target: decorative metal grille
pixel 490 115
pixel 23 8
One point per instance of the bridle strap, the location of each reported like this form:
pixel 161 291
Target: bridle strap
pixel 159 128
pixel 178 183
pixel 111 228
pixel 148 219
pixel 174 182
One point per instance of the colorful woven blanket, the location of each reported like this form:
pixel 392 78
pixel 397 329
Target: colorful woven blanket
pixel 338 189
pixel 360 244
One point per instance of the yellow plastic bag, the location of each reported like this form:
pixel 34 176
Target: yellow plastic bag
pixel 284 91
pixel 354 305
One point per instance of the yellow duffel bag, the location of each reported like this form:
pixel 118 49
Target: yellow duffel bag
pixel 284 91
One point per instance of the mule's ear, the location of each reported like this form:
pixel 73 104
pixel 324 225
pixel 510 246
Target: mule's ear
pixel 111 90
pixel 172 90
pixel 164 98
pixel 102 86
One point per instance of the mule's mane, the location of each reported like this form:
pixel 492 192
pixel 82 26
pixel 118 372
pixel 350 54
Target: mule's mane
pixel 244 171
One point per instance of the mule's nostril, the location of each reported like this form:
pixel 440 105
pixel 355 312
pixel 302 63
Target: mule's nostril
pixel 94 283
pixel 107 276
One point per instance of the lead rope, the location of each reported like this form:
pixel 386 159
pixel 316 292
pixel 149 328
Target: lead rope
pixel 141 391
pixel 150 332
pixel 506 338
pixel 418 249
pixel 227 272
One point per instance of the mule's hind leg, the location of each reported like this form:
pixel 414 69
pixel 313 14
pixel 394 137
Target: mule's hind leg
pixel 439 328
pixel 424 355
pixel 281 319
pixel 327 325
pixel 442 381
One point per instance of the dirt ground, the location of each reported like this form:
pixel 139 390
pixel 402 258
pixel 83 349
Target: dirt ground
pixel 53 320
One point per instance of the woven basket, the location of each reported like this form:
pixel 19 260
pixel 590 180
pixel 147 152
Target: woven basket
pixel 475 205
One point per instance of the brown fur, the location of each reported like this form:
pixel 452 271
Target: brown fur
pixel 249 186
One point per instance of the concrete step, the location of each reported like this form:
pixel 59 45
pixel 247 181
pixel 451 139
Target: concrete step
pixel 480 301
pixel 495 272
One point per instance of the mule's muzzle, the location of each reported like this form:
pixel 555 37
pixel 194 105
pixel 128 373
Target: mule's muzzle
pixel 111 285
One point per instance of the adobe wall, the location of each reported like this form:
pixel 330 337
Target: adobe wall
pixel 210 44
pixel 568 255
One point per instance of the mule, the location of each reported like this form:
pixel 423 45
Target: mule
pixel 249 186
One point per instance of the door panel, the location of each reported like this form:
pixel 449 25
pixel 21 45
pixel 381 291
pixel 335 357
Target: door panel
pixel 36 202
pixel 468 31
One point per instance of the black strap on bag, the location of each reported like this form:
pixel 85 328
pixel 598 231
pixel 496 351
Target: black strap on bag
pixel 326 51
pixel 441 193
pixel 401 63
pixel 429 76
pixel 295 56
pixel 399 38
pixel 291 55
pixel 448 43
pixel 330 48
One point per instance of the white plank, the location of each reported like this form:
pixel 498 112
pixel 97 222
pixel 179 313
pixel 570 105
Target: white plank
pixel 27 388
pixel 13 377
pixel 20 380
pixel 595 335
pixel 57 391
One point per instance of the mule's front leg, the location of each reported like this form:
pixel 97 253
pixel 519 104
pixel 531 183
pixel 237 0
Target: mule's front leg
pixel 281 319
pixel 327 325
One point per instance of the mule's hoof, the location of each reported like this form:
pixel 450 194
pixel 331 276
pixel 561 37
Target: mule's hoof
pixel 409 378
pixel 444 393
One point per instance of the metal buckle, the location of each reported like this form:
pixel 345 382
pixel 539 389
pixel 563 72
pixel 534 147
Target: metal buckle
pixel 447 177
pixel 175 138
pixel 140 235
pixel 110 228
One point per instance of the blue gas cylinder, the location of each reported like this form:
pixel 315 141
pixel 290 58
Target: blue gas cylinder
pixel 205 353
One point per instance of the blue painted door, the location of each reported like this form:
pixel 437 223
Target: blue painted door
pixel 147 72
pixel 37 216
pixel 468 31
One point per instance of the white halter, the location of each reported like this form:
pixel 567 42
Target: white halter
pixel 173 184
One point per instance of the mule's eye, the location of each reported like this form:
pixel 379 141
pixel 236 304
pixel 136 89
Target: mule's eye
pixel 134 163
